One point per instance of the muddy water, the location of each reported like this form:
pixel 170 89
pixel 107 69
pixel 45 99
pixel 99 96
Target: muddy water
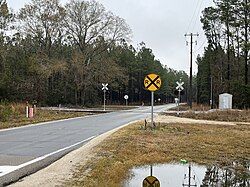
pixel 175 175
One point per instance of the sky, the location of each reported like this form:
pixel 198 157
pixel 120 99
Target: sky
pixel 160 24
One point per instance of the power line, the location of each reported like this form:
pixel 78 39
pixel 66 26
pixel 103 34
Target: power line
pixel 197 13
pixel 190 22
pixel 203 43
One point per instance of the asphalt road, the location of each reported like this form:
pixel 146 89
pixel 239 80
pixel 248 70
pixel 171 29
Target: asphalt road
pixel 25 150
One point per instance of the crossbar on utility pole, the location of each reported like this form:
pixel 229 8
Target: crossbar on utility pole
pixel 191 68
pixel 189 178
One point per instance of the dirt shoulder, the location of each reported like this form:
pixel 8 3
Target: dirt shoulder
pixel 107 159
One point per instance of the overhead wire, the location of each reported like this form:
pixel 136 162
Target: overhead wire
pixel 200 3
pixel 191 20
pixel 200 46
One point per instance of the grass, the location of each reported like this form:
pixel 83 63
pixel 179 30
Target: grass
pixel 195 107
pixel 13 115
pixel 134 146
pixel 218 115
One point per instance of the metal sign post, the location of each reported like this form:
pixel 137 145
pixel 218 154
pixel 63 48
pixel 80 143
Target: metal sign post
pixel 152 109
pixel 104 88
pixel 104 99
pixel 126 98
pixel 179 88
pixel 152 82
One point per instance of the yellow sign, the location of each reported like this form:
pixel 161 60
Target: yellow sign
pixel 152 82
pixel 151 181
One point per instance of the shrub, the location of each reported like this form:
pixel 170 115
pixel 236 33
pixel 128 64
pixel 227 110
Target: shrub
pixel 5 112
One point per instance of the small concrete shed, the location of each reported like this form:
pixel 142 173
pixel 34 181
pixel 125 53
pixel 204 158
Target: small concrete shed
pixel 225 101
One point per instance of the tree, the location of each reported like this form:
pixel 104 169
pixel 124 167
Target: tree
pixel 226 26
pixel 87 22
pixel 42 20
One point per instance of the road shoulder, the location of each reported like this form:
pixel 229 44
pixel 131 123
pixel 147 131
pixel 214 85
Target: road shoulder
pixel 61 170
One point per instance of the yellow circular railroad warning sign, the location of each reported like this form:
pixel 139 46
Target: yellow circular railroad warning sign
pixel 152 82
pixel 151 181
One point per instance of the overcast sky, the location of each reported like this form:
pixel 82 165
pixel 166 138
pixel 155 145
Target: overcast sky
pixel 161 24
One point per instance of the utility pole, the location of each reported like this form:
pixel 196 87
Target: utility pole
pixel 191 68
pixel 211 92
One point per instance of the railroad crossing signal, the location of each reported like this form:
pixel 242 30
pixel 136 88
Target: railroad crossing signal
pixel 179 86
pixel 151 181
pixel 152 82
pixel 105 86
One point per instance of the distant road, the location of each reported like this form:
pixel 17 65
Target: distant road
pixel 27 149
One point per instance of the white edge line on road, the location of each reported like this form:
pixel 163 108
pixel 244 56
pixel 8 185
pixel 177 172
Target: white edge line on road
pixel 45 156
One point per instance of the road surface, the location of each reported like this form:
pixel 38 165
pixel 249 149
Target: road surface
pixel 27 149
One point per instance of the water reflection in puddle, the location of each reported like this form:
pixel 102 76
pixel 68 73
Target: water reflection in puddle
pixel 175 175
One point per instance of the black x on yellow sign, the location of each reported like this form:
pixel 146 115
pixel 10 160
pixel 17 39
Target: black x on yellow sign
pixel 152 82
pixel 151 181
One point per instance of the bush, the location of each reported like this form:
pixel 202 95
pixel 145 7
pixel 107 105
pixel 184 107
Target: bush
pixel 10 111
pixel 5 112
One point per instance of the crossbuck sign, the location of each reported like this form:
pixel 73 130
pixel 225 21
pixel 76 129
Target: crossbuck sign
pixel 179 86
pixel 105 86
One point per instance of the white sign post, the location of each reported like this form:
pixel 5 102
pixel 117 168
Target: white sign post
pixel 126 98
pixel 179 87
pixel 104 88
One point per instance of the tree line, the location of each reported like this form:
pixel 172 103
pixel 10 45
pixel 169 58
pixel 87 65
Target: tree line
pixel 224 67
pixel 60 54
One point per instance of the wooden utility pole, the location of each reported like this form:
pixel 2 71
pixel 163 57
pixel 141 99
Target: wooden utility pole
pixel 246 50
pixel 190 95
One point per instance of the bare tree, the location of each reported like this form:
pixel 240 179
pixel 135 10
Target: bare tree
pixel 88 21
pixel 41 19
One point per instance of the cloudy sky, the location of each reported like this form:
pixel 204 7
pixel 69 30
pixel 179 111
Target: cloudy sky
pixel 161 24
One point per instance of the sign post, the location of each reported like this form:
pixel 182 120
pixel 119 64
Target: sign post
pixel 126 98
pixel 104 88
pixel 152 82
pixel 179 88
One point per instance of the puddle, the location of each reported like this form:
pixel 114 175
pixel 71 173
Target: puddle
pixel 177 175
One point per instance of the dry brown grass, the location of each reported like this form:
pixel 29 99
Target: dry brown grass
pixel 16 116
pixel 133 146
pixel 195 107
pixel 218 115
